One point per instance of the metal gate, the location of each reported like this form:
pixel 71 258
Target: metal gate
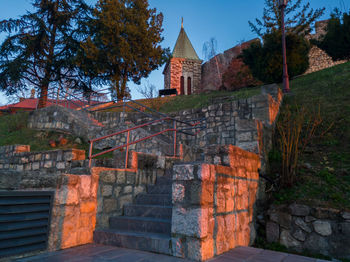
pixel 24 221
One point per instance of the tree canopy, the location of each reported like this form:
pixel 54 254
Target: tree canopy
pixel 336 41
pixel 123 43
pixel 265 60
pixel 40 47
pixel 298 17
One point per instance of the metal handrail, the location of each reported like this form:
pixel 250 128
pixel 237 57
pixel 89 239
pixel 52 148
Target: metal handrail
pixel 128 143
pixel 152 110
pixel 75 95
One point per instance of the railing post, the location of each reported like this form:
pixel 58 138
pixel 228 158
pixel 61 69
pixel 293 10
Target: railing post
pixel 90 153
pixel 174 138
pixel 127 150
pixel 123 119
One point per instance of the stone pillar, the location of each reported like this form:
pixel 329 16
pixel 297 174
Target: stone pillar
pixel 213 204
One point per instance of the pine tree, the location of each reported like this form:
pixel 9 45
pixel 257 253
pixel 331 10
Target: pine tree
pixel 41 47
pixel 123 43
pixel 299 18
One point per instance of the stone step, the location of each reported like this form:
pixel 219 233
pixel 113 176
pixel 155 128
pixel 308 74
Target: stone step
pixel 153 199
pixel 159 189
pixel 141 224
pixel 161 212
pixel 157 243
pixel 164 181
pixel 80 171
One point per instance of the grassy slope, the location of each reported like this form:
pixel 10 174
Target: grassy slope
pixel 327 183
pixel 13 130
pixel 177 103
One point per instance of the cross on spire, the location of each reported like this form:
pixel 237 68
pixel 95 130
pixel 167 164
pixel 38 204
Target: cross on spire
pixel 182 22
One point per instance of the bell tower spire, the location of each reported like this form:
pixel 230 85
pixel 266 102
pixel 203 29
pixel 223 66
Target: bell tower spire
pixel 182 22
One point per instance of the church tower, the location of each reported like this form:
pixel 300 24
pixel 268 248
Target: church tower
pixel 183 71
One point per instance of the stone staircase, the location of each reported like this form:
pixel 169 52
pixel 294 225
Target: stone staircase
pixel 145 224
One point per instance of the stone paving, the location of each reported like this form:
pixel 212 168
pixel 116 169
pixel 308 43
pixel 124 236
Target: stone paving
pixel 101 253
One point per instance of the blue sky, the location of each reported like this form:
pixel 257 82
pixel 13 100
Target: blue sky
pixel 226 20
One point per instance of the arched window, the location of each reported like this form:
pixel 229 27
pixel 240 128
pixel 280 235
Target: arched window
pixel 182 85
pixel 189 85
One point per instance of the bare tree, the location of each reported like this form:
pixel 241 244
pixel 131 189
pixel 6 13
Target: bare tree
pixel 148 90
pixel 210 48
pixel 21 94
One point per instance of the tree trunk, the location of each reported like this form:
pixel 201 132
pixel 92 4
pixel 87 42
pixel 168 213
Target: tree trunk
pixel 43 97
pixel 121 94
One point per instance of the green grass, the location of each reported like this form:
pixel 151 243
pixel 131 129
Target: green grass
pixel 328 182
pixel 201 100
pixel 13 130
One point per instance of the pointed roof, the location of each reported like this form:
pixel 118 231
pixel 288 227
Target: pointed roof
pixel 183 47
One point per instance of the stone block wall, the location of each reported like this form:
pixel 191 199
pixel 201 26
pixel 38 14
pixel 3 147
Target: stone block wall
pixel 226 123
pixel 73 216
pixel 213 70
pixel 19 158
pixel 182 67
pixel 213 203
pixel 173 73
pixel 12 150
pixel 305 228
pixel 118 187
pixel 66 120
pixel 73 213
pixel 319 60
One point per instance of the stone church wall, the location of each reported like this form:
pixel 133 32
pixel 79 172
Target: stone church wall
pixel 182 67
pixel 213 69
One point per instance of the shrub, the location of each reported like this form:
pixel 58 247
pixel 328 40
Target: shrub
pixel 296 128
pixel 266 61
pixel 238 75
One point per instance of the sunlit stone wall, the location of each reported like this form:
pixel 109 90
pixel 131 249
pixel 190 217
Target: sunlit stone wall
pixel 213 203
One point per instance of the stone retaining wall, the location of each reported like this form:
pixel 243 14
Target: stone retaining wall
pixel 73 213
pixel 19 158
pixel 66 120
pixel 118 187
pixel 319 60
pixel 303 228
pixel 213 203
pixel 227 123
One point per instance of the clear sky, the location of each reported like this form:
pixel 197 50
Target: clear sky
pixel 226 20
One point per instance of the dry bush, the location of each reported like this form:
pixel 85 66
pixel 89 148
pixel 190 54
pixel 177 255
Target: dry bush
pixel 296 128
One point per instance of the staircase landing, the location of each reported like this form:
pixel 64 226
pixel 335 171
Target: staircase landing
pixel 101 253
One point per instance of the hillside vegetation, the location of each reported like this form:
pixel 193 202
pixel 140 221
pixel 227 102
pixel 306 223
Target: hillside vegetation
pixel 324 174
pixel 323 177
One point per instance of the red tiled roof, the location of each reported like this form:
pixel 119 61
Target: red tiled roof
pixel 31 104
pixel 4 108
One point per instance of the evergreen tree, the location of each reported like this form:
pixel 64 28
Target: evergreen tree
pixel 40 47
pixel 298 18
pixel 265 60
pixel 123 43
pixel 336 41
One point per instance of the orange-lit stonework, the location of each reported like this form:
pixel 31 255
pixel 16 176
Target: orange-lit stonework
pixel 213 204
